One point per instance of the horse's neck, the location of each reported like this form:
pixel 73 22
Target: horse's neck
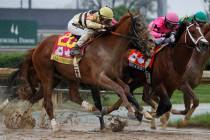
pixel 120 44
pixel 180 57
pixel 200 59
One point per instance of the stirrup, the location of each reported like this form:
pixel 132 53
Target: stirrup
pixel 75 51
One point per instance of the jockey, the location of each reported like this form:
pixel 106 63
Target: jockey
pixel 89 21
pixel 199 17
pixel 163 29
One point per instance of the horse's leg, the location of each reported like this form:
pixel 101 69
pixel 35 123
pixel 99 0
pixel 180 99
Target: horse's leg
pixel 164 103
pixel 48 104
pixel 187 100
pixel 133 85
pixel 75 97
pixel 38 96
pixel 131 98
pixel 45 73
pixel 73 92
pixel 153 122
pixel 164 119
pixel 188 95
pixel 147 98
pixel 139 113
pixel 119 102
pixel 97 100
pixel 154 99
pixel 105 81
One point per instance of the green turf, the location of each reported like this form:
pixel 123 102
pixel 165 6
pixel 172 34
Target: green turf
pixel 202 121
pixel 202 91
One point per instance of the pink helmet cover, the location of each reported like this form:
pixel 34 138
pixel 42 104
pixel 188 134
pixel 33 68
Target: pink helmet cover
pixel 172 18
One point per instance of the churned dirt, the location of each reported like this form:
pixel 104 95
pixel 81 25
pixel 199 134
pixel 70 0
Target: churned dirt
pixel 78 125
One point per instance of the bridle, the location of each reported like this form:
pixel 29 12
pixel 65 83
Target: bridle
pixel 133 35
pixel 195 41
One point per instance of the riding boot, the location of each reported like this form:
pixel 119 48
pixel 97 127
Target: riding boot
pixel 75 50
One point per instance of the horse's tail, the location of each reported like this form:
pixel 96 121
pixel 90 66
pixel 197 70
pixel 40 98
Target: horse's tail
pixel 23 75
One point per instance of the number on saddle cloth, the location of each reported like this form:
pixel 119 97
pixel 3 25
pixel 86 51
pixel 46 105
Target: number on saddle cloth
pixel 68 40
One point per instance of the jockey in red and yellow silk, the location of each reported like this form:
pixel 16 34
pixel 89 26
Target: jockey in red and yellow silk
pixel 89 22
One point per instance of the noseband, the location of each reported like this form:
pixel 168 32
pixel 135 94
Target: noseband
pixel 195 41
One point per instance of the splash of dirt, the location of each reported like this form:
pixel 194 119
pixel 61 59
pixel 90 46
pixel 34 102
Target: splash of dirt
pixel 117 124
pixel 18 115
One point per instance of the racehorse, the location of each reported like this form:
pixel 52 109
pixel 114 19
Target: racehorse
pixel 137 76
pixel 168 69
pixel 190 31
pixel 101 65
pixel 192 77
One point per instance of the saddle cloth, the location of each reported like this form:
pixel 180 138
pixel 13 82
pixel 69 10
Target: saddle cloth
pixel 137 60
pixel 63 47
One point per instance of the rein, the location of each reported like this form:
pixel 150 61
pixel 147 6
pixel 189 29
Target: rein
pixel 190 35
pixel 124 36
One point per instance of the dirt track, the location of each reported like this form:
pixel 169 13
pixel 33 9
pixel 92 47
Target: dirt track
pixel 84 126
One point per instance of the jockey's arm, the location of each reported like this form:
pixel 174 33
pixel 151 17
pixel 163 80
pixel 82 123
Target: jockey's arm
pixel 154 31
pixel 156 34
pixel 93 25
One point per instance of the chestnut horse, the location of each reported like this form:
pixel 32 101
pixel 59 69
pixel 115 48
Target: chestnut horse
pixel 136 76
pixel 101 65
pixel 192 77
pixel 27 73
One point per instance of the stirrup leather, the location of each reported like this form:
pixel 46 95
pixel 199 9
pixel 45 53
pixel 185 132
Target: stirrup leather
pixel 76 68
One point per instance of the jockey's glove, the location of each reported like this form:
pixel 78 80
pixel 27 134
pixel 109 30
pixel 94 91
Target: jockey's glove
pixel 172 38
pixel 108 27
pixel 166 35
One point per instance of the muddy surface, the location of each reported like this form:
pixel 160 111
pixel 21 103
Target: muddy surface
pixel 79 125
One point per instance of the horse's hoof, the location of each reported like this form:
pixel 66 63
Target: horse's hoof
pixel 102 127
pixel 183 122
pixel 147 115
pixel 87 106
pixel 164 126
pixel 4 104
pixel 131 115
pixel 174 111
pixel 104 111
pixel 139 115
pixel 153 127
pixel 55 126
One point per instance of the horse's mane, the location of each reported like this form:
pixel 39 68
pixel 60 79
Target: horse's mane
pixel 140 28
pixel 122 19
pixel 180 30
pixel 206 28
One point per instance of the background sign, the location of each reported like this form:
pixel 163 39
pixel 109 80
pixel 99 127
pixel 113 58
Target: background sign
pixel 18 32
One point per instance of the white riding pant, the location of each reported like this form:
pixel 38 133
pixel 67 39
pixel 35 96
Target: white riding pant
pixel 84 33
pixel 73 29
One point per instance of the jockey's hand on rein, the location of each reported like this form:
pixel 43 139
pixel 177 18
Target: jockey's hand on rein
pixel 166 35
pixel 108 27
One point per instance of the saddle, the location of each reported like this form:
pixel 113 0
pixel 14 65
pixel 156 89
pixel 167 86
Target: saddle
pixel 137 60
pixel 63 47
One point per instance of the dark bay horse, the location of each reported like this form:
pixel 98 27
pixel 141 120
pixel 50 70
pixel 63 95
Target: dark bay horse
pixel 101 65
pixel 169 67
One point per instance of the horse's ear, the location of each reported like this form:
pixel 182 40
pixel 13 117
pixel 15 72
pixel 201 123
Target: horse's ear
pixel 136 16
pixel 129 12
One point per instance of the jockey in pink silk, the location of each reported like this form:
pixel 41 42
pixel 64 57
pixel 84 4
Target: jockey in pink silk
pixel 163 29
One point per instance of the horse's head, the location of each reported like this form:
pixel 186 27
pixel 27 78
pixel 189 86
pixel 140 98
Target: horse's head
pixel 192 35
pixel 138 30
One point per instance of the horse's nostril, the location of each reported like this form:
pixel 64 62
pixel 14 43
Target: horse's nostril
pixel 206 43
